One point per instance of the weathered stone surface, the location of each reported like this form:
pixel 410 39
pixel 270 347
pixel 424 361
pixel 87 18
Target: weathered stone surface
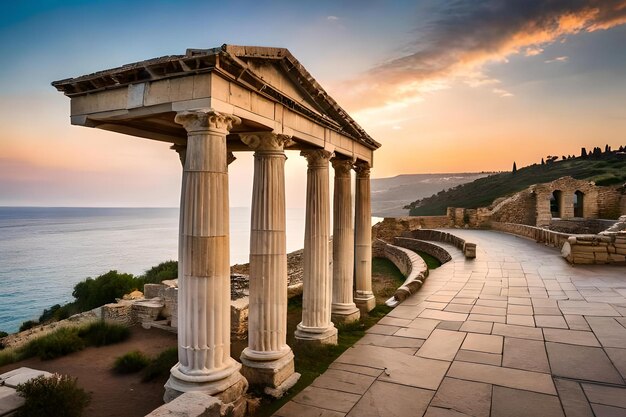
pixel 509 402
pixel 190 404
pixel 391 400
pixel 469 398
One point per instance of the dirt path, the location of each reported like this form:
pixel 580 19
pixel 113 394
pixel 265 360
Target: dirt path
pixel 112 395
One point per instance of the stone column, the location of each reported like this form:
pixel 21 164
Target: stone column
pixel 364 297
pixel 268 360
pixel 204 266
pixel 316 325
pixel 343 308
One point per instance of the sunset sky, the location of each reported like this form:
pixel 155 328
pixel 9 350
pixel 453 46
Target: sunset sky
pixel 445 86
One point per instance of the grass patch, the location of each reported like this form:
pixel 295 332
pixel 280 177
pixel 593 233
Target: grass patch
pixel 161 365
pixel 101 333
pixel 8 356
pixel 61 342
pixel 131 362
pixel 431 261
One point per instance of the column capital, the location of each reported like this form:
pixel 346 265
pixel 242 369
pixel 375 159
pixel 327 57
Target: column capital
pixel 266 141
pixel 342 166
pixel 317 157
pixel 181 150
pixel 202 120
pixel 362 169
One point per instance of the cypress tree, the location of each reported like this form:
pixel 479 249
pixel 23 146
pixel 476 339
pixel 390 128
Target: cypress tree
pixel 583 153
pixel 514 167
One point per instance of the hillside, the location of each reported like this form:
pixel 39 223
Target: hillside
pixel 606 170
pixel 390 195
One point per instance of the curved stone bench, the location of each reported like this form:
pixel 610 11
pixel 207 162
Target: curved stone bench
pixel 468 248
pixel 431 249
pixel 410 264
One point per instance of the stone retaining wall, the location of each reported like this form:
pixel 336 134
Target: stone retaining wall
pixel 391 227
pixel 538 234
pixel 468 249
pixel 433 250
pixel 410 264
pixel 596 249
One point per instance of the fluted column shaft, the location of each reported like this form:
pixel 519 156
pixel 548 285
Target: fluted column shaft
pixel 268 359
pixel 204 263
pixel 316 322
pixel 364 298
pixel 343 307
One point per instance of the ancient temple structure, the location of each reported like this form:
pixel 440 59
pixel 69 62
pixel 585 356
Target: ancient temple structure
pixel 210 104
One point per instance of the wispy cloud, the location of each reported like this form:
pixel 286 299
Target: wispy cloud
pixel 463 36
pixel 332 18
pixel 557 59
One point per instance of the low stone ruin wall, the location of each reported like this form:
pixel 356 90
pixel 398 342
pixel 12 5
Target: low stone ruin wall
pixel 538 234
pixel 410 264
pixel 391 227
pixel 596 249
pixel 468 249
pixel 417 245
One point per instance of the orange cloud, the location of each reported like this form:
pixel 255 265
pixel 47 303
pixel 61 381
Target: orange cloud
pixel 466 36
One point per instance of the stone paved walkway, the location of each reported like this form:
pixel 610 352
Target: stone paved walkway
pixel 516 332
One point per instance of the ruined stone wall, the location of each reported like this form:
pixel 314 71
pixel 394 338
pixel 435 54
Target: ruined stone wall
pixel 568 187
pixel 538 234
pixel 610 202
pixel 596 249
pixel 391 227
pixel 519 208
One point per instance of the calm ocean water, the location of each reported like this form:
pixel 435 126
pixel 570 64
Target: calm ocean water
pixel 44 252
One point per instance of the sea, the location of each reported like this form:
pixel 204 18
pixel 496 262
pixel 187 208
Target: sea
pixel 45 251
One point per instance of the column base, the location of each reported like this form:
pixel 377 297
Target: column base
pixel 316 335
pixel 365 302
pixel 345 313
pixel 269 373
pixel 229 389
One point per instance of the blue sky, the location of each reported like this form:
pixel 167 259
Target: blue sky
pixel 445 86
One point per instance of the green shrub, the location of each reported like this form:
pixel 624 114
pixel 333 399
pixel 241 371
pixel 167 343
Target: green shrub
pixel 93 293
pixel 164 270
pixel 3 334
pixel 58 343
pixel 53 396
pixel 29 324
pixel 131 362
pixel 161 365
pixel 101 333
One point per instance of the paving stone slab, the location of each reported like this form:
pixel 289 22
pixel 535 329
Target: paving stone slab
pixel 618 357
pixel 487 318
pixel 483 343
pixel 442 344
pixel 525 354
pixel 576 322
pixel 602 394
pixel 518 320
pixel 522 301
pixel 382 329
pixel 450 325
pixel 585 308
pixel 478 357
pixel 10 400
pixel 557 322
pixel 573 398
pixel 416 372
pixel 364 370
pixel 338 380
pixel 393 400
pixel 292 409
pixel 466 397
pixel 601 410
pixel 443 315
pixel 390 341
pixel 522 332
pixel 512 378
pixel 477 327
pixel 442 412
pixel 609 331
pixel 517 403
pixel 327 399
pixel 572 337
pixel 582 362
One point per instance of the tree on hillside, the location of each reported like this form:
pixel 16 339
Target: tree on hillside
pixel 583 153
pixel 514 167
pixel 543 162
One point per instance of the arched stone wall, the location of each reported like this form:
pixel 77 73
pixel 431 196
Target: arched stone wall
pixel 567 186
